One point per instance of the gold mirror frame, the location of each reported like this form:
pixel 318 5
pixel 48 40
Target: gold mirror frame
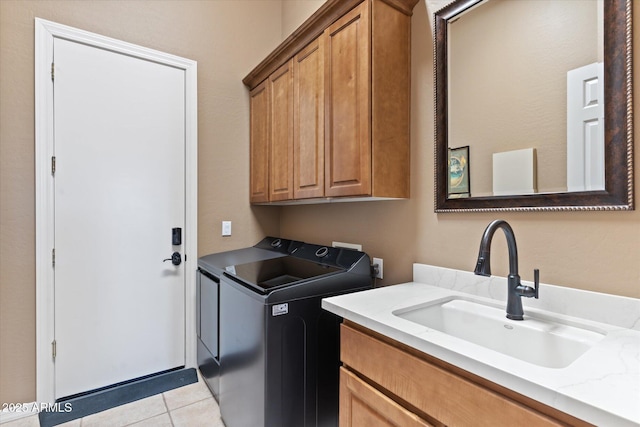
pixel 618 193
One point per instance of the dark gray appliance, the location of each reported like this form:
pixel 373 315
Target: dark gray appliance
pixel 278 350
pixel 210 268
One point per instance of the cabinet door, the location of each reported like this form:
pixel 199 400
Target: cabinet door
pixel 348 105
pixel 308 128
pixel 259 142
pixel 281 151
pixel 362 406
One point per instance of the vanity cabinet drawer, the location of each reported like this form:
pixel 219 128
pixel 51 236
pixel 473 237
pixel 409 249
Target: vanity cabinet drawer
pixel 442 396
pixel 362 405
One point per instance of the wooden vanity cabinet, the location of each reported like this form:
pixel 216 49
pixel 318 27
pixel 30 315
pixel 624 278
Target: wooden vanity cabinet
pixel 380 373
pixel 348 121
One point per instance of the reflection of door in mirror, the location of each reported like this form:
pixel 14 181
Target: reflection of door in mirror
pixel 507 68
pixel 585 128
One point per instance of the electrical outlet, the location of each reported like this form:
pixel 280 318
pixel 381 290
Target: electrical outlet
pixel 226 228
pixel 378 261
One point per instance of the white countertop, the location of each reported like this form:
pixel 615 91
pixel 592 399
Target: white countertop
pixel 601 387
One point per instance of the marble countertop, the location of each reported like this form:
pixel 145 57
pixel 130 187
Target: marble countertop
pixel 601 387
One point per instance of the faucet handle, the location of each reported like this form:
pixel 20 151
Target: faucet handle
pixel 536 282
pixel 483 267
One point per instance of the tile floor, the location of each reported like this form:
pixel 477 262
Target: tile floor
pixel 188 406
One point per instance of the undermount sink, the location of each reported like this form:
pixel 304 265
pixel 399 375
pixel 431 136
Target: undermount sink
pixel 537 340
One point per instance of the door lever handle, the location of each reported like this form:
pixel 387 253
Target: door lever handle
pixel 175 259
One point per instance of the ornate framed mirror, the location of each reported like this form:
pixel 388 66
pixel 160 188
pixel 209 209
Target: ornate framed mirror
pixel 488 80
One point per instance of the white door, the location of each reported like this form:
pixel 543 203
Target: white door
pixel 119 146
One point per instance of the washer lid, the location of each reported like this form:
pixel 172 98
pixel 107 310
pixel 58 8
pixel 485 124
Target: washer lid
pixel 266 275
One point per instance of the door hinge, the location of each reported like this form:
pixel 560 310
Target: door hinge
pixel 53 72
pixel 53 257
pixel 54 348
pixel 53 165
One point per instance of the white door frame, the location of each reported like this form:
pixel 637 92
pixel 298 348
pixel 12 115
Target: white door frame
pixel 45 33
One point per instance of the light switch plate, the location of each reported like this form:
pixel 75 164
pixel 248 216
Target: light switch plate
pixel 226 228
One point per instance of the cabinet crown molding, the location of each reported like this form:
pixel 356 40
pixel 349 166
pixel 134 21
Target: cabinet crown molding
pixel 328 13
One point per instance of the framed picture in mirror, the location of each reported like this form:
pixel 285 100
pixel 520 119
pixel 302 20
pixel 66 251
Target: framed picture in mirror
pixel 459 184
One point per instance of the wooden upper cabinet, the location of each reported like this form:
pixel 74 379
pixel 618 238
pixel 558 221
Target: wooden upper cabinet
pixel 391 98
pixel 308 121
pixel 281 138
pixel 260 104
pixel 338 116
pixel 348 105
pixel 368 98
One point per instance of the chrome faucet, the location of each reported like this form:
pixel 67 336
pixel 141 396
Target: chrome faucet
pixel 515 289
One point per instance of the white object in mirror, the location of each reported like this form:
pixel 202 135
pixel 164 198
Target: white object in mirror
pixel 514 172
